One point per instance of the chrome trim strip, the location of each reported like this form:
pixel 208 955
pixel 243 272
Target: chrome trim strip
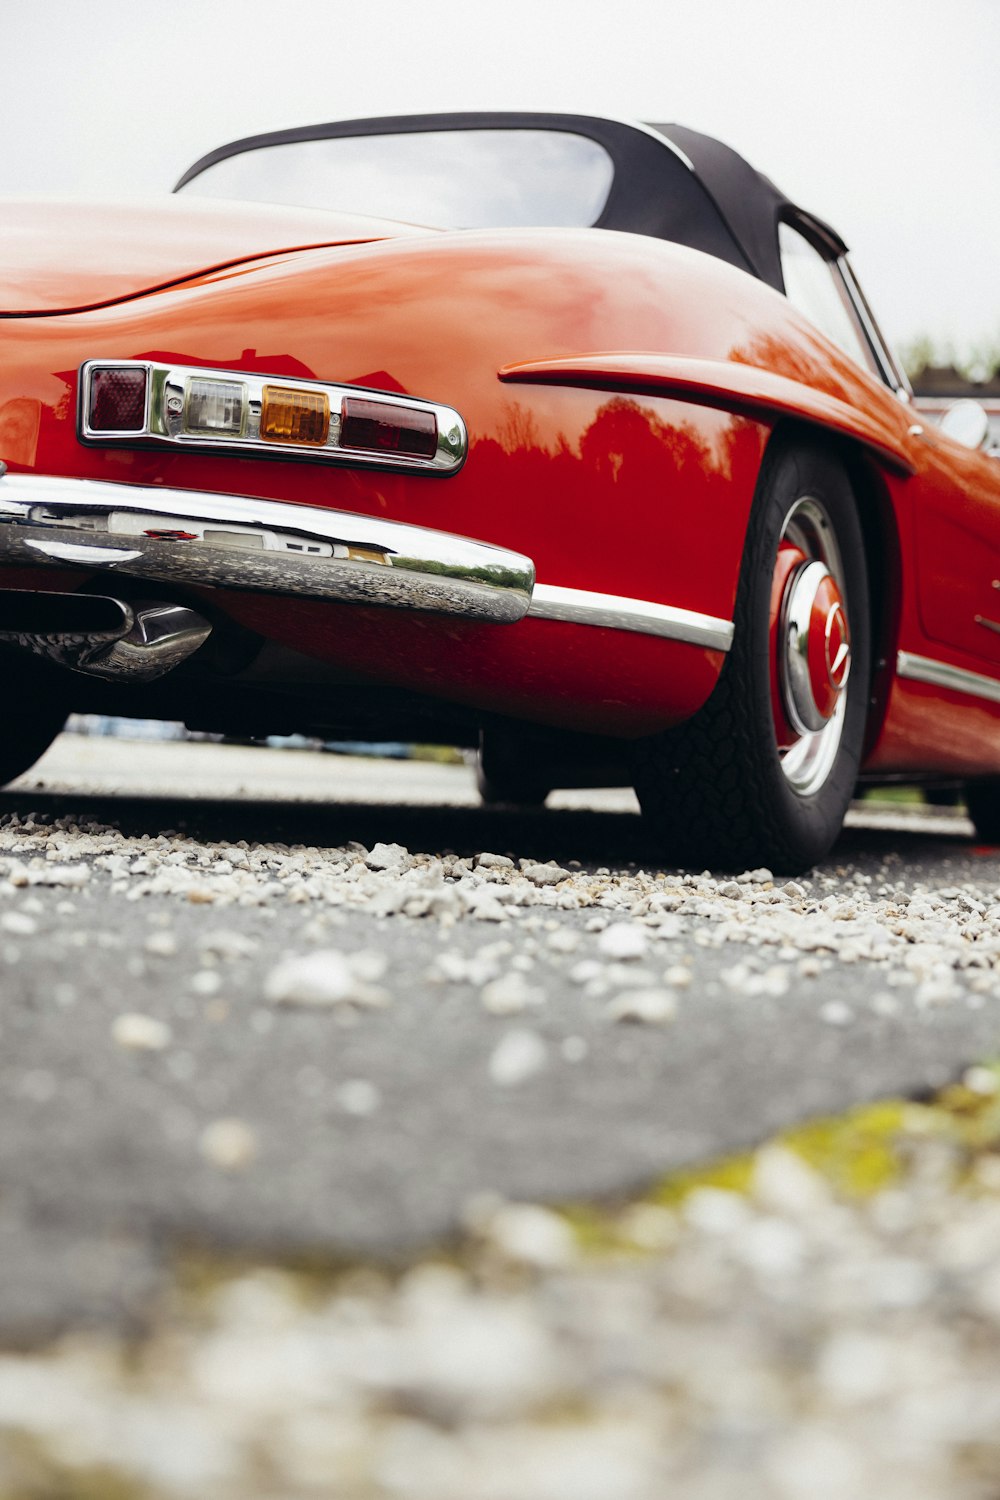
pixel 889 366
pixel 614 612
pixel 163 421
pixel 197 538
pixel 939 674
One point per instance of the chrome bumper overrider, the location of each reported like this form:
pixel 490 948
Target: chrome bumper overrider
pixel 226 541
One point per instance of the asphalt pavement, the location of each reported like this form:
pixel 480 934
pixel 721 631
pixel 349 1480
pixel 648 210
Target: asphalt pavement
pixel 165 1084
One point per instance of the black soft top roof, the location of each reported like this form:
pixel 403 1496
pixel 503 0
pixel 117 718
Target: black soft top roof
pixel 669 182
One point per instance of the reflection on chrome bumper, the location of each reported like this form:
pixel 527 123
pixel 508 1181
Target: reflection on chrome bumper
pixel 196 538
pixel 265 546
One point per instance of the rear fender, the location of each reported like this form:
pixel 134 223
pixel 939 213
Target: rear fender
pixel 733 386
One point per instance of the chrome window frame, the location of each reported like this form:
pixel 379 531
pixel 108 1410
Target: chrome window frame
pixel 889 367
pixel 883 363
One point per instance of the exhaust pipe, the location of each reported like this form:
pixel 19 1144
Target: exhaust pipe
pixel 100 636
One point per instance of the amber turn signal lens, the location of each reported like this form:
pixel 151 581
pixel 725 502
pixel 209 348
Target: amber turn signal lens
pixel 288 416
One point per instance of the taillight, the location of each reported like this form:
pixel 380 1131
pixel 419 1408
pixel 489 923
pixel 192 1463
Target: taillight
pixel 294 416
pixel 118 399
pixel 215 406
pixel 378 427
pixel 243 413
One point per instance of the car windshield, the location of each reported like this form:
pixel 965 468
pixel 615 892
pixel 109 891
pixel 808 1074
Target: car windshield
pixel 451 179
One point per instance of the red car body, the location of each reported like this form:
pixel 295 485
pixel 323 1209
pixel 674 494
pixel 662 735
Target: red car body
pixel 626 400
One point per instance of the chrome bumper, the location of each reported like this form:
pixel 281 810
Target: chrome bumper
pixel 193 537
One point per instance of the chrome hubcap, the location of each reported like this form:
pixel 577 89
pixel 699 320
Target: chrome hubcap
pixel 815 662
pixel 810 647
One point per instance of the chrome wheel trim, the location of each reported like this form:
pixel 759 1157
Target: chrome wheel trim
pixel 807 764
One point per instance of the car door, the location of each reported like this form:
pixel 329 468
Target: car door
pixel 957 511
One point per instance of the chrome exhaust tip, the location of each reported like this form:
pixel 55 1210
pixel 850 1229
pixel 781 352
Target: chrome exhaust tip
pixel 100 636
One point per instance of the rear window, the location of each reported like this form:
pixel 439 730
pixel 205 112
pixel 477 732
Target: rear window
pixel 451 179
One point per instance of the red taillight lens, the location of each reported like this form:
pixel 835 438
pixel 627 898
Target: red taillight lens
pixel 117 400
pixel 379 427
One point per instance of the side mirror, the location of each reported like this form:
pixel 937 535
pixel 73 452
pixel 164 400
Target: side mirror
pixel 968 423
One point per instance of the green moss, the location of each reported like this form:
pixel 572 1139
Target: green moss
pixel 857 1154
pixel 732 1174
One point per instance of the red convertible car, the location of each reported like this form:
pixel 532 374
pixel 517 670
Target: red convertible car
pixel 568 439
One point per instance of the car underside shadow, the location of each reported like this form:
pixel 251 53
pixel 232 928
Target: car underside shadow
pixel 588 836
pixel 936 845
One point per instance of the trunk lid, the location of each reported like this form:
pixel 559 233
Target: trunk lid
pixel 60 257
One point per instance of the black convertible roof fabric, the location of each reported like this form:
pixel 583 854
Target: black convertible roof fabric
pixel 749 202
pixel 669 182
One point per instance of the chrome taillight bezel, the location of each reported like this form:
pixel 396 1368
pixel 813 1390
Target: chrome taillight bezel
pixel 167 388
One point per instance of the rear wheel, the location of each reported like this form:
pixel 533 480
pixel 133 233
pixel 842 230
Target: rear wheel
pixel 505 774
pixel 36 712
pixel 982 798
pixel 763 774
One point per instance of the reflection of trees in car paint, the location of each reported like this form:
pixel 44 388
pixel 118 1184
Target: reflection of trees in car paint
pixel 28 422
pixel 650 502
pixel 278 365
pixel 20 420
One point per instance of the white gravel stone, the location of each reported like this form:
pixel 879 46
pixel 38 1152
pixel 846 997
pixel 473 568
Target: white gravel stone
pixel 532 1236
pixel 72 876
pixel 358 1096
pixel 624 941
pixel 510 995
pixel 18 924
pixel 228 945
pixel 228 1143
pixel 520 1055
pixel 324 978
pixel 655 1007
pixel 982 1081
pixel 140 1033
pixel 388 857
pixel 714 1211
pixel 485 907
pixel 542 875
pixel 205 982
pixel 488 861
pixel 161 944
pixel 784 1183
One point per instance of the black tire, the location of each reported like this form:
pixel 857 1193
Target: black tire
pixel 941 796
pixel 504 775
pixel 982 798
pixel 734 787
pixel 37 710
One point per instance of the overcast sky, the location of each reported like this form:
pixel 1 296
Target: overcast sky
pixel 881 116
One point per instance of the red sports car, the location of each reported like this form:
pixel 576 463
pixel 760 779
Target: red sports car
pixel 569 439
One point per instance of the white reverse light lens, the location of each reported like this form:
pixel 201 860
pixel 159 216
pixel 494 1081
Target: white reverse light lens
pixel 215 406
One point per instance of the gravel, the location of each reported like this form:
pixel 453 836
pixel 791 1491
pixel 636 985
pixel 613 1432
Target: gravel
pixel 784 1341
pixel 778 1343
